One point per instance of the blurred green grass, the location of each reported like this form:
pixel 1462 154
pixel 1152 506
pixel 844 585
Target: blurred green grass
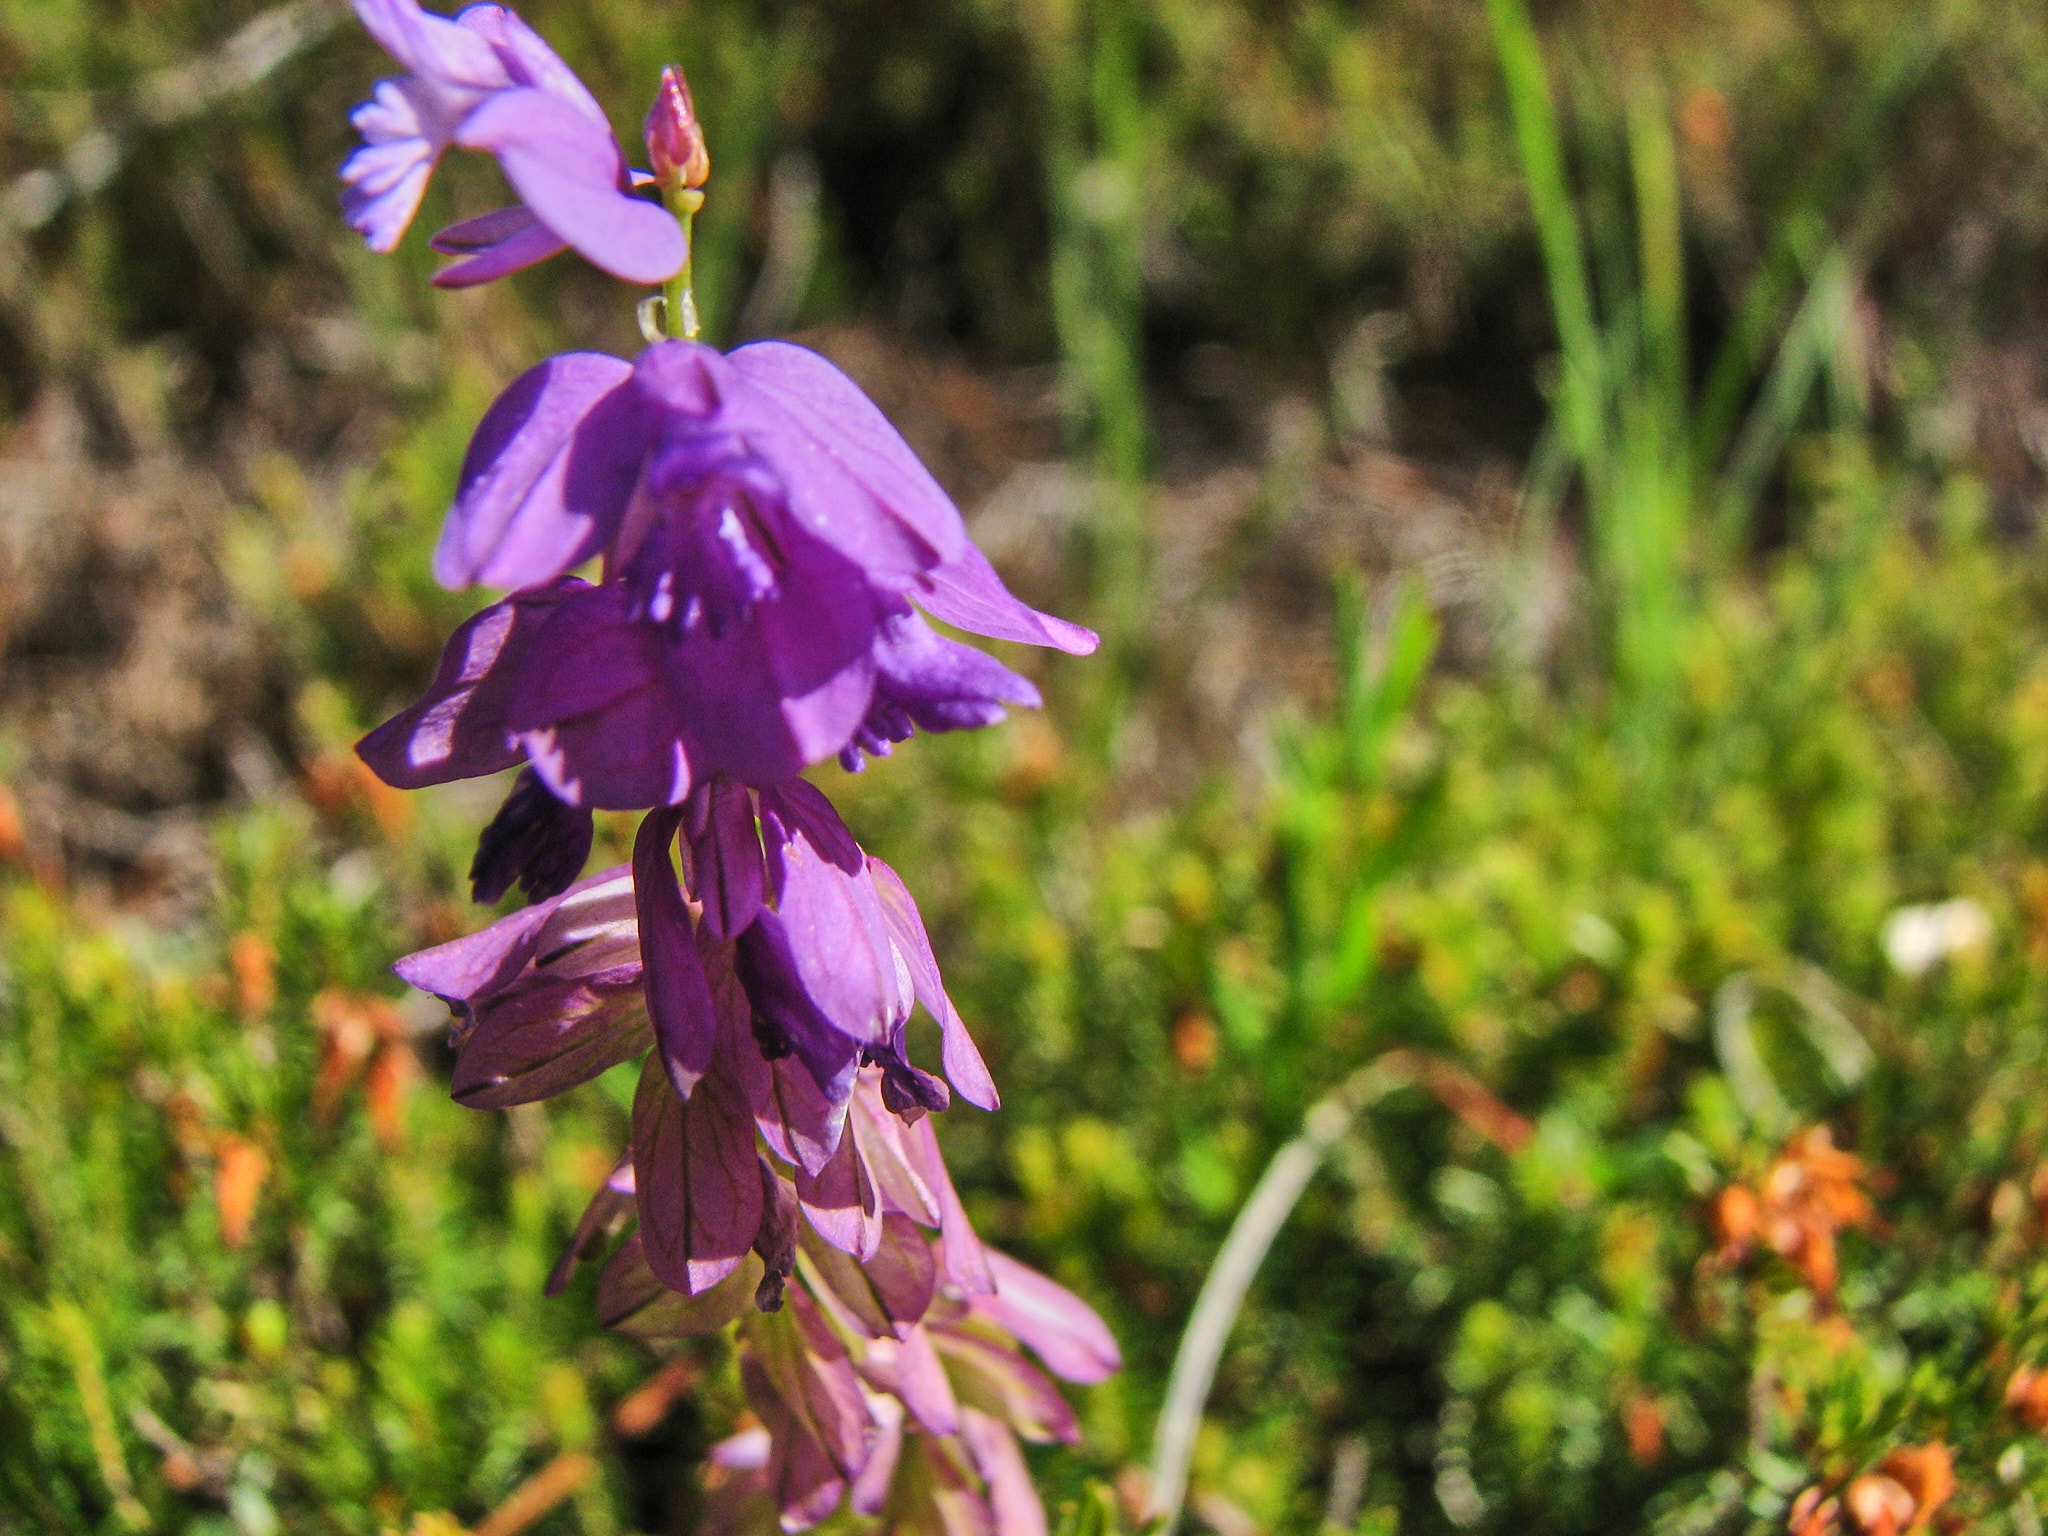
pixel 1629 889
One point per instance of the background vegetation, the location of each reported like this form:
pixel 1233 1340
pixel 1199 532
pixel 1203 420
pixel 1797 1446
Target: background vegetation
pixel 1564 497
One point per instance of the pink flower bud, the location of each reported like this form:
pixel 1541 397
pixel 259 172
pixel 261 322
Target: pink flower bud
pixel 675 139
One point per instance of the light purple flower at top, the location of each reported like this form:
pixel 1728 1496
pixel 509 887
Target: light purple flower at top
pixel 769 540
pixel 486 81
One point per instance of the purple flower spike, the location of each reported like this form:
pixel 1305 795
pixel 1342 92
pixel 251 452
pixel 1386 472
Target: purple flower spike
pixel 486 81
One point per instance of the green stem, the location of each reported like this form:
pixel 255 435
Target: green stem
pixel 679 300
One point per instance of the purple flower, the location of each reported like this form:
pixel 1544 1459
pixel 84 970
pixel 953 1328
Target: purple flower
pixel 534 840
pixel 486 81
pixel 947 1393
pixel 544 999
pixel 769 540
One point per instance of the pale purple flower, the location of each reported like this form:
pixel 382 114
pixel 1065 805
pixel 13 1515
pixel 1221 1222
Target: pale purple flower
pixel 944 1385
pixel 544 999
pixel 486 81
pixel 770 541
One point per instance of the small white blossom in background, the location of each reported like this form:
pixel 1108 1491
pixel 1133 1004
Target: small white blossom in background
pixel 1917 937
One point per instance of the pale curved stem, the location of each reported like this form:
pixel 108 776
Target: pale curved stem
pixel 1258 1222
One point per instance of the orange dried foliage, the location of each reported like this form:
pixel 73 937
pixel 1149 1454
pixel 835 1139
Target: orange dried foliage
pixel 362 1036
pixel 539 1494
pixel 1813 1191
pixel 1880 1506
pixel 13 840
pixel 254 964
pixel 1194 1043
pixel 1815 1513
pixel 1927 1473
pixel 1476 1105
pixel 337 783
pixel 1642 1421
pixel 642 1409
pixel 2027 1395
pixel 237 1180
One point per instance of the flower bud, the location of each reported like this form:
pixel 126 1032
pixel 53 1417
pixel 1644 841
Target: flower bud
pixel 675 139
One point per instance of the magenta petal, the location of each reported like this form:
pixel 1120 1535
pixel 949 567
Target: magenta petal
pixel 879 1140
pixel 923 1385
pixel 567 169
pixel 678 996
pixel 545 1035
pixel 851 440
pixel 547 476
pixel 1060 1328
pixel 870 1491
pixel 531 246
pixel 903 1274
pixel 1000 1379
pixel 469 236
pixel 1000 1460
pixel 968 594
pixel 966 1262
pixel 803 1481
pixel 460 727
pixel 478 964
pixel 801 1124
pixel 728 874
pixel 699 1182
pixel 965 1069
pixel 841 1201
pixel 800 1381
pixel 788 1015
pixel 431 46
pixel 951 1487
pixel 797 809
pixel 528 60
pixel 837 936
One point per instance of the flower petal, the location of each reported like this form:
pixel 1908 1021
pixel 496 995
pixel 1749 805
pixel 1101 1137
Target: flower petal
pixel 967 593
pixel 847 445
pixel 486 264
pixel 459 728
pixel 632 1300
pixel 1059 1326
pixel 608 1209
pixel 728 873
pixel 678 995
pixel 1001 1382
pixel 568 169
pixel 432 46
pixel 801 1123
pixel 965 1069
pixel 698 1181
pixel 1000 1460
pixel 545 1035
pixel 547 476
pixel 841 1200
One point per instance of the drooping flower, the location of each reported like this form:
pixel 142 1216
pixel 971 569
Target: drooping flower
pixel 545 999
pixel 484 80
pixel 769 541
pixel 947 1391
pixel 876 1378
